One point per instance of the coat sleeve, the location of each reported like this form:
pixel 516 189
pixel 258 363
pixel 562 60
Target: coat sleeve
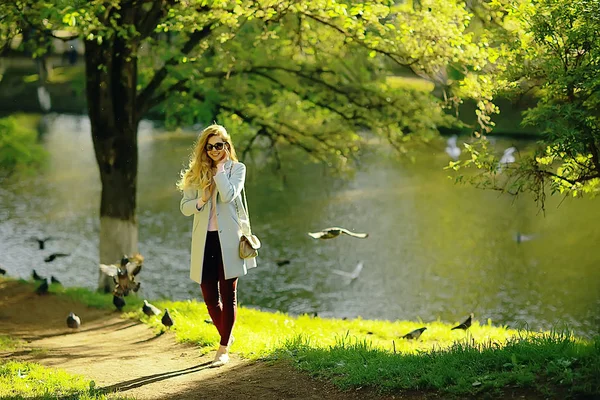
pixel 188 202
pixel 230 187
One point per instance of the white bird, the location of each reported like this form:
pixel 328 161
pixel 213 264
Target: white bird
pixel 350 275
pixel 452 149
pixel 508 157
pixel 519 237
pixel 44 98
pixel 330 233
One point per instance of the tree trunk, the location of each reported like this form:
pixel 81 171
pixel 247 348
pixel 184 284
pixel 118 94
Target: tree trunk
pixel 111 77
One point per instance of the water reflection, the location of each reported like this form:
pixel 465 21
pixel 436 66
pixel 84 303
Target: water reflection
pixel 435 249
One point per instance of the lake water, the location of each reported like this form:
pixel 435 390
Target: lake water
pixel 435 250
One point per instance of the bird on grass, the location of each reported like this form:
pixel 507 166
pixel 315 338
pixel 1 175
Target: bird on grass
pixel 330 233
pixel 43 288
pixel 118 302
pixel 54 280
pixel 2 271
pixel 36 276
pixel 465 325
pixel 73 321
pixel 41 241
pixel 166 319
pixel 414 334
pixel 282 262
pixel 124 274
pixel 149 309
pixel 350 275
pixel 54 256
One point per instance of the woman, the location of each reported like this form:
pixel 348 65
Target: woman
pixel 211 187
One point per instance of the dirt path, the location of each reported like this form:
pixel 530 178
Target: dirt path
pixel 127 356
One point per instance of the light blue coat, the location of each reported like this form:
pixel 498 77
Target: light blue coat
pixel 229 189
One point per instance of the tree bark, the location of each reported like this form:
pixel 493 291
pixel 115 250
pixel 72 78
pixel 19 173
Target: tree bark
pixel 111 77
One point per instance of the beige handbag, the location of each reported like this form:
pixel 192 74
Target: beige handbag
pixel 249 243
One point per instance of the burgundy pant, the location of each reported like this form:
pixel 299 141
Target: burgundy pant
pixel 220 294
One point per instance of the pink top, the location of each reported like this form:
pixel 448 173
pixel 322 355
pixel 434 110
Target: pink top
pixel 213 225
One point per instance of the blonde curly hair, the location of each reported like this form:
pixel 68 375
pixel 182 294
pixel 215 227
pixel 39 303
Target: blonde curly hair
pixel 198 174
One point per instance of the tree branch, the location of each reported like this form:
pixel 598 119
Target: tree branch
pixel 388 54
pixel 143 98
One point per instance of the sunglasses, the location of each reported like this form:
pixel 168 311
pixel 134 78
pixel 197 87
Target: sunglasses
pixel 217 146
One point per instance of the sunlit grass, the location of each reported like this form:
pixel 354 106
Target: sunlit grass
pixel 262 332
pixel 8 343
pixel 367 353
pixel 362 353
pixel 20 380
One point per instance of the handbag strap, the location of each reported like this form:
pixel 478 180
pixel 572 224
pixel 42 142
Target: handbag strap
pixel 244 205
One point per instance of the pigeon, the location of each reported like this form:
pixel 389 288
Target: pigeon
pixel 414 334
pixel 44 98
pixel 43 288
pixel 119 302
pixel 54 280
pixel 124 274
pixel 506 158
pixel 54 256
pixel 2 271
pixel 149 309
pixel 350 275
pixel 282 262
pixel 330 233
pixel 452 149
pixel 519 237
pixel 73 321
pixel 166 319
pixel 41 242
pixel 465 325
pixel 36 277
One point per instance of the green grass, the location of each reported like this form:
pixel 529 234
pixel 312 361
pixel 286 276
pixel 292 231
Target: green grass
pixel 545 363
pixel 20 380
pixel 8 343
pixel 361 353
pixel 19 147
pixel 486 360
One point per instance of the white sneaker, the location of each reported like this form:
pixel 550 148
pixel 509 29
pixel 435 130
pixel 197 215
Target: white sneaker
pixel 220 360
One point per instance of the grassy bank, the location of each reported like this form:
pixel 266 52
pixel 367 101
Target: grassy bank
pixel 19 380
pixel 487 360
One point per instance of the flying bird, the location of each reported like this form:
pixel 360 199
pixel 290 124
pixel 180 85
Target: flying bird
pixel 166 319
pixel 54 256
pixel 519 237
pixel 465 325
pixel 452 149
pixel 330 233
pixel 506 158
pixel 41 242
pixel 44 98
pixel 414 334
pixel 282 262
pixel 43 288
pixel 124 274
pixel 149 309
pixel 118 302
pixel 73 321
pixel 350 275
